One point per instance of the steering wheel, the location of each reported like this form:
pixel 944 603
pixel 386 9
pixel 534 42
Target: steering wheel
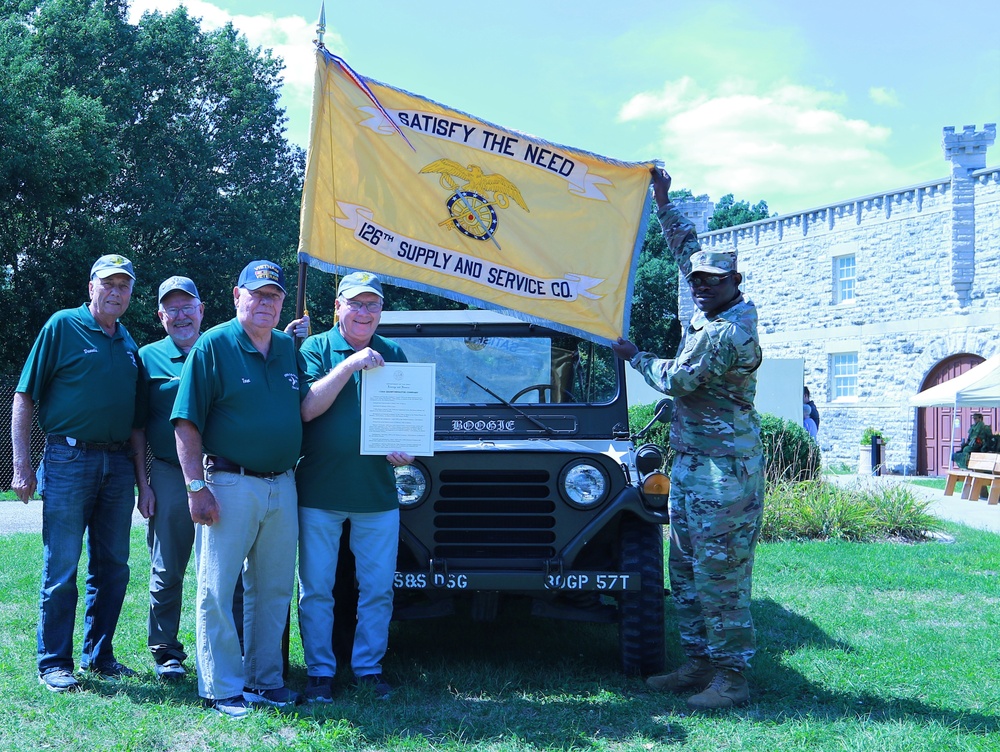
pixel 540 388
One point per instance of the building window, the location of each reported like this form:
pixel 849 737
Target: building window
pixel 844 274
pixel 844 369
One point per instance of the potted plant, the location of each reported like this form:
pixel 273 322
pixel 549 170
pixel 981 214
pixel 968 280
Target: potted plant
pixel 865 466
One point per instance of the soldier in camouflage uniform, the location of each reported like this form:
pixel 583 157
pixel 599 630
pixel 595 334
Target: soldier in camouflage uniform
pixel 717 481
pixel 980 440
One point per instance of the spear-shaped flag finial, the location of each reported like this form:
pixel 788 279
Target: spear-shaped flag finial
pixel 321 24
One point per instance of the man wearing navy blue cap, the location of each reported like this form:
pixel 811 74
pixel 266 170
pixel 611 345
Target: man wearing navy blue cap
pixel 81 373
pixel 239 432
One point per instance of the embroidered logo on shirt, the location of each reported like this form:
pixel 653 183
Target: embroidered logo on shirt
pixel 246 381
pixel 89 350
pixel 131 356
pixel 293 379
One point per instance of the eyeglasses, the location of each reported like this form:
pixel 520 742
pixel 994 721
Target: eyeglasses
pixel 708 280
pixel 187 310
pixel 372 306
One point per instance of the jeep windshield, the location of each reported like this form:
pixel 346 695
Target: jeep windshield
pixel 510 362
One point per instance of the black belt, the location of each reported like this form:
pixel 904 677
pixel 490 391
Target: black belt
pixel 222 465
pixel 111 446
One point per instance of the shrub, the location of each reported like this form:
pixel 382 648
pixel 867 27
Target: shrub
pixel 824 510
pixel 790 453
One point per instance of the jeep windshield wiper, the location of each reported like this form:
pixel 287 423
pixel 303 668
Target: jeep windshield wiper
pixel 517 410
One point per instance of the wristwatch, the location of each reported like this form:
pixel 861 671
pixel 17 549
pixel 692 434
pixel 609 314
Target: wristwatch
pixel 195 486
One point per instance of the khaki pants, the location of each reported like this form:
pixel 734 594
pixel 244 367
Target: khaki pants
pixel 255 536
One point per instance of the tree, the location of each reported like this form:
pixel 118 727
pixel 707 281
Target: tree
pixel 653 320
pixel 729 213
pixel 157 141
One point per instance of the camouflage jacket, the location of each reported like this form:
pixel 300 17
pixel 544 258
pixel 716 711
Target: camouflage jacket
pixel 979 437
pixel 712 379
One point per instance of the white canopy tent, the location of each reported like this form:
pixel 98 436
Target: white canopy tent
pixel 977 387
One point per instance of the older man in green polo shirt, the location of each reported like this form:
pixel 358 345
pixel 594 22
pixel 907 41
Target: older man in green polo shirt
pixel 338 484
pixel 163 498
pixel 239 432
pixel 81 373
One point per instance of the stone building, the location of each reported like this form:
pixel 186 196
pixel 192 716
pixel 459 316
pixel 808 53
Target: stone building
pixel 882 296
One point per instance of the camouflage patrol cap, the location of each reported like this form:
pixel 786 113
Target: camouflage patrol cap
pixel 713 262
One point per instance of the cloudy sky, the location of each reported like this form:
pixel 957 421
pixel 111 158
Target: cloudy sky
pixel 797 103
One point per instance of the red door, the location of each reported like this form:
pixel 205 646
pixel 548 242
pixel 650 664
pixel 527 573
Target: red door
pixel 934 424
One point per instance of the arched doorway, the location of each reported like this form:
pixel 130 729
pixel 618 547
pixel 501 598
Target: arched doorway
pixel 934 424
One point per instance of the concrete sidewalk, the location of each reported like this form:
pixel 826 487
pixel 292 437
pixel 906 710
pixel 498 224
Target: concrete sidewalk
pixel 16 517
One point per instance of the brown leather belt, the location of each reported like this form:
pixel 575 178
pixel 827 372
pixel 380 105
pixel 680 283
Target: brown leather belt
pixel 113 446
pixel 222 465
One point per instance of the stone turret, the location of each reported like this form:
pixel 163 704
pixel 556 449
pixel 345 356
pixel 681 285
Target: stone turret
pixel 967 152
pixel 698 210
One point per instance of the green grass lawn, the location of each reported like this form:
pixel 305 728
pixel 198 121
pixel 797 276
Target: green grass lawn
pixel 937 483
pixel 862 646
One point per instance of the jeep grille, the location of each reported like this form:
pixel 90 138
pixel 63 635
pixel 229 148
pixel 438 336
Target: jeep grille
pixel 489 514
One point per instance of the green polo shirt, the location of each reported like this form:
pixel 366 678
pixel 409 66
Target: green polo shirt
pixel 333 474
pixel 82 380
pixel 245 407
pixel 161 375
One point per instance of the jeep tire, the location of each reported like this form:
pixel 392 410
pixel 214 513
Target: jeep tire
pixel 640 612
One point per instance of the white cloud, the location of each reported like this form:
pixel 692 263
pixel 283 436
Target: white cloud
pixel 881 95
pixel 788 145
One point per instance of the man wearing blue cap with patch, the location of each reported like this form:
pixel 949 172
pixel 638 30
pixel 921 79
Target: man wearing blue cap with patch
pixel 239 431
pixel 81 373
pixel 717 479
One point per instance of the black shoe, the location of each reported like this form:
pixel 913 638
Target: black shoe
pixel 170 670
pixel 278 697
pixel 60 680
pixel 110 670
pixel 234 707
pixel 319 689
pixel 374 683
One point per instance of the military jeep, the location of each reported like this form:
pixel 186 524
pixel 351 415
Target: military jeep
pixel 533 490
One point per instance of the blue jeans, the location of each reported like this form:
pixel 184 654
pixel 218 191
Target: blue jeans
pixel 93 492
pixel 374 541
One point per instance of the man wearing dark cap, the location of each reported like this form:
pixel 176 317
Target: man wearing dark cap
pixel 163 499
pixel 81 373
pixel 338 484
pixel 717 480
pixel 239 431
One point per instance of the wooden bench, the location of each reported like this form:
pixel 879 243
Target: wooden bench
pixel 983 473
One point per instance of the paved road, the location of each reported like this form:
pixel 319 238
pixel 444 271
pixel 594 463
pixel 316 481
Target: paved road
pixel 16 517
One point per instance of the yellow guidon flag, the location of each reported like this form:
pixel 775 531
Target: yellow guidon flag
pixel 436 200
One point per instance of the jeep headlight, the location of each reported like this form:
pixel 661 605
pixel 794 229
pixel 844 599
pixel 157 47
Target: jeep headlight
pixel 411 485
pixel 584 484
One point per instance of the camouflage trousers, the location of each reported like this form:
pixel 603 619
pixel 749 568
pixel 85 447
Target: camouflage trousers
pixel 716 505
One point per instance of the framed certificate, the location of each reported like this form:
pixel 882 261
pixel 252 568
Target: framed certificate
pixel 397 409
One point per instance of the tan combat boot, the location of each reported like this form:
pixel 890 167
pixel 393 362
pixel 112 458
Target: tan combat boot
pixel 728 690
pixel 693 676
